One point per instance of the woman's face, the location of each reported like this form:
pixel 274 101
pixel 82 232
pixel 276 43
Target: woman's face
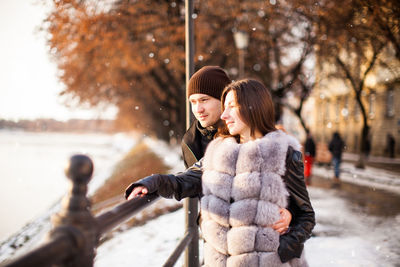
pixel 232 118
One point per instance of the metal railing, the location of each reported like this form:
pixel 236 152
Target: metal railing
pixel 76 232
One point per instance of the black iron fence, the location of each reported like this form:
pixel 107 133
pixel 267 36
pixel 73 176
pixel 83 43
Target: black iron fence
pixel 76 232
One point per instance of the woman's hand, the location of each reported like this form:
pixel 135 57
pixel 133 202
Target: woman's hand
pixel 138 191
pixel 282 225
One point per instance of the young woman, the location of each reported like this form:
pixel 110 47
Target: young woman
pixel 243 184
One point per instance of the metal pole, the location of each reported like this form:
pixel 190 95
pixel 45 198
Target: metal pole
pixel 241 63
pixel 190 204
pixel 189 53
pixel 178 250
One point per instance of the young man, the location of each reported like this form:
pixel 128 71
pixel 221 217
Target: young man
pixel 205 88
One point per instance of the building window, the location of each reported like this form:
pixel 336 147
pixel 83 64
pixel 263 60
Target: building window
pixel 337 110
pixel 371 104
pixel 345 109
pixel 326 113
pixel 390 102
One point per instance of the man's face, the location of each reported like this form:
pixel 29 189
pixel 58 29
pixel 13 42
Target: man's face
pixel 205 108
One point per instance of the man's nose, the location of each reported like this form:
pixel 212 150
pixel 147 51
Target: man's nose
pixel 199 108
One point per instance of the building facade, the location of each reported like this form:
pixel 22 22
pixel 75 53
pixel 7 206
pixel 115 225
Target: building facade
pixel 334 108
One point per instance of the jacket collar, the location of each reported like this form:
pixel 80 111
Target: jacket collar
pixel 208 131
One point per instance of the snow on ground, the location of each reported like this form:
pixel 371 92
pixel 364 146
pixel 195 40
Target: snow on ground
pixel 370 177
pixel 171 155
pixel 342 237
pixel 147 245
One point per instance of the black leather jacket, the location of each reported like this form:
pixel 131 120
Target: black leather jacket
pixel 195 142
pixel 188 184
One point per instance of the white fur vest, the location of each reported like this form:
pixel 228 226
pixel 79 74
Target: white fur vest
pixel 243 192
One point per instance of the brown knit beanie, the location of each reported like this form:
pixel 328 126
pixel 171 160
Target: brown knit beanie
pixel 209 80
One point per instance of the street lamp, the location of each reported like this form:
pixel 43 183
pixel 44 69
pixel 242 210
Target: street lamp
pixel 241 42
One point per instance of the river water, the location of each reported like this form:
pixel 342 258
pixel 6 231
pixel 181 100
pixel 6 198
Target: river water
pixel 32 175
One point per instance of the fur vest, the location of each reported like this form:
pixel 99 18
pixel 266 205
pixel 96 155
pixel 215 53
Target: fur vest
pixel 243 192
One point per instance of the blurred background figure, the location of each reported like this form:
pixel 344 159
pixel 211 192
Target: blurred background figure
pixel 390 142
pixel 336 146
pixel 367 146
pixel 309 155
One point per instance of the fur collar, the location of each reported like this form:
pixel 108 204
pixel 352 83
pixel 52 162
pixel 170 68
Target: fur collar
pixel 267 153
pixel 243 191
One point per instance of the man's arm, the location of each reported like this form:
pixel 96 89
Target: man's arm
pixel 186 184
pixel 292 243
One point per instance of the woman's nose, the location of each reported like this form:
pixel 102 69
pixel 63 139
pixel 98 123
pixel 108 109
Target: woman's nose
pixel 224 115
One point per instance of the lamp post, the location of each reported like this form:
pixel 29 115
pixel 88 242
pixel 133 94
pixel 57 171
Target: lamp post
pixel 241 42
pixel 191 204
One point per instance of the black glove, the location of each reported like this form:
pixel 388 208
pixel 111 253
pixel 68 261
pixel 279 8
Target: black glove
pixel 129 189
pixel 149 182
pixel 164 185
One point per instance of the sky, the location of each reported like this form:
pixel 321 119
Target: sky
pixel 29 86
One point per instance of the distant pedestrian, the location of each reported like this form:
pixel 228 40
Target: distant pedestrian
pixel 336 147
pixel 390 144
pixel 309 155
pixel 367 146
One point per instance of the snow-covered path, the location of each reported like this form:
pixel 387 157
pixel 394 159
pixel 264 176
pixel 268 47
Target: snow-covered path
pixel 345 235
pixel 370 176
pixel 342 237
pixel 147 245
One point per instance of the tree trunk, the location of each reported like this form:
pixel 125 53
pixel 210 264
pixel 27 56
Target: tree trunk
pixel 363 148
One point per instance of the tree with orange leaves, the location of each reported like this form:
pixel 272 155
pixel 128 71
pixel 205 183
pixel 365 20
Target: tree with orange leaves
pixel 131 53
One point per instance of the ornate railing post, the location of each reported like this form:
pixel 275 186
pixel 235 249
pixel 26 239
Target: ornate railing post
pixel 75 234
pixel 75 218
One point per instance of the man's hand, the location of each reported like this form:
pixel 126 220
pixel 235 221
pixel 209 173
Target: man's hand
pixel 282 225
pixel 138 191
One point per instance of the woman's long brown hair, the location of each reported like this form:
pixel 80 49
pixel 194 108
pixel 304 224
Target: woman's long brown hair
pixel 256 108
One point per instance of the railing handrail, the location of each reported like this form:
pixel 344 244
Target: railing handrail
pixel 77 232
pixel 108 220
pixel 53 251
pixel 179 249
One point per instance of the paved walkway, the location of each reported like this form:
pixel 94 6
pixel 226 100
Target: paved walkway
pixel 385 163
pixel 379 173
